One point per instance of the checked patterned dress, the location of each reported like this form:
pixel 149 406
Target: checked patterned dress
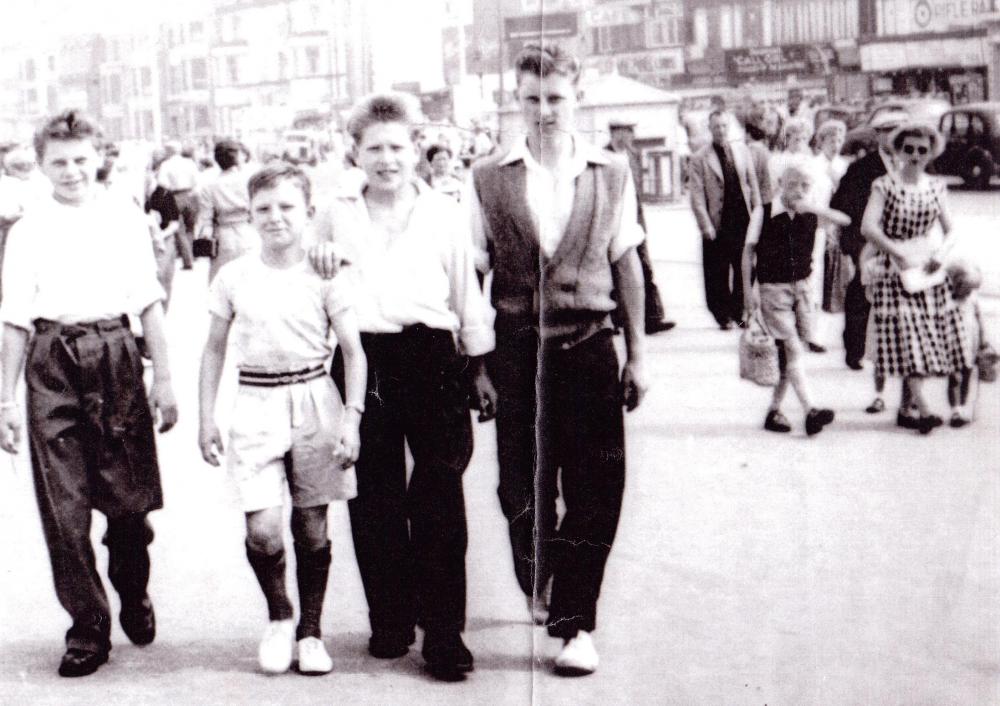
pixel 923 333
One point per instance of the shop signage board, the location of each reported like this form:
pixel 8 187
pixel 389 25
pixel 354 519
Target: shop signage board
pixel 780 61
pixel 918 16
pixel 926 53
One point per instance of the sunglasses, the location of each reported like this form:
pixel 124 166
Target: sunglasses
pixel 921 150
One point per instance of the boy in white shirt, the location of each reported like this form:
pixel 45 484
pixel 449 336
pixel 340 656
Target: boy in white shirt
pixel 289 423
pixel 75 267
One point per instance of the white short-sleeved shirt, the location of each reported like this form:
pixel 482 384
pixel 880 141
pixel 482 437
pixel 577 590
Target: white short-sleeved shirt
pixel 280 317
pixel 79 263
pixel 424 275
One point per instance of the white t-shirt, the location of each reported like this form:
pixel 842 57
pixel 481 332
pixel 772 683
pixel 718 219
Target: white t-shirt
pixel 79 263
pixel 280 317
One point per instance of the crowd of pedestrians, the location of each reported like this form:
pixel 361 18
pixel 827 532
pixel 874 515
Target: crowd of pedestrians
pixel 871 238
pixel 359 324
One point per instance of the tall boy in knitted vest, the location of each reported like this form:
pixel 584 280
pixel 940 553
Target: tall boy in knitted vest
pixel 554 219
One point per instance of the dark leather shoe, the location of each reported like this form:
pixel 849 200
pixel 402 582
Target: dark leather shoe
pixel 817 419
pixel 446 656
pixel 776 421
pixel 138 621
pixel 390 644
pixel 726 325
pixel 854 364
pixel 925 425
pixel 877 406
pixel 79 663
pixel 907 421
pixel 654 327
pixel 815 347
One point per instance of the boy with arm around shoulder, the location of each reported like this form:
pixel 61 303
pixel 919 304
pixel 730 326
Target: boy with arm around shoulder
pixel 75 267
pixel 778 251
pixel 289 423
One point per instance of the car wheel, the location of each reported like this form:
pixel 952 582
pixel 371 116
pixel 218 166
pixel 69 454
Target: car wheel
pixel 978 170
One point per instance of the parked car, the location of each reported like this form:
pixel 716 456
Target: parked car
pixel 972 143
pixel 863 139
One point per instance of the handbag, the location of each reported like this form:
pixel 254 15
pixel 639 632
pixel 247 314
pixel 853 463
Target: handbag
pixel 758 355
pixel 986 360
pixel 917 279
pixel 205 247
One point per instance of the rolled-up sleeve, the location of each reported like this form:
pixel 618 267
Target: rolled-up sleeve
pixel 630 234
pixel 145 288
pixel 478 228
pixel 475 332
pixel 20 283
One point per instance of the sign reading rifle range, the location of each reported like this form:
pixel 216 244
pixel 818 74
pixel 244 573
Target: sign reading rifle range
pixel 778 62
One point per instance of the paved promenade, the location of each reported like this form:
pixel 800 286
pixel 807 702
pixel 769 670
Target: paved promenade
pixel 861 566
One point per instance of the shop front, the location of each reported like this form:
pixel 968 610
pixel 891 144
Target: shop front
pixel 953 65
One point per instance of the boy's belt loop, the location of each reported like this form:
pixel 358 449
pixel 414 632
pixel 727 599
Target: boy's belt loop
pixel 258 379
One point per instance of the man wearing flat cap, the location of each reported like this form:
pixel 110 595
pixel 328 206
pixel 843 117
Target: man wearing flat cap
pixel 622 133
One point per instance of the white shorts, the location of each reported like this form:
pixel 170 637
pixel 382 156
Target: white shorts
pixel 287 434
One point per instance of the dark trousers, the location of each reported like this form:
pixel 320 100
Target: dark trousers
pixel 856 309
pixel 410 538
pixel 580 440
pixel 722 263
pixel 187 204
pixel 91 441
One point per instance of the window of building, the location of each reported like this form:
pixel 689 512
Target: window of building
pixel 148 127
pixel 114 88
pixel 31 96
pixel 200 117
pixel 282 65
pixel 619 38
pixel 196 31
pixel 29 69
pixel 199 73
pixel 233 69
pixel 52 63
pixel 312 60
pixel 701 27
pixel 663 32
pixel 146 78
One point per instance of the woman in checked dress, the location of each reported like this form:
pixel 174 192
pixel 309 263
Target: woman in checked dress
pixel 918 333
pixel 224 207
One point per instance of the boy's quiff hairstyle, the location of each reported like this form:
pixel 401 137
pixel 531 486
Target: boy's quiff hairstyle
pixel 544 60
pixel 65 126
pixel 798 166
pixel 273 174
pixel 390 107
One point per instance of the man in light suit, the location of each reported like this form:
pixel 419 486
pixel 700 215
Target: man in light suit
pixel 724 192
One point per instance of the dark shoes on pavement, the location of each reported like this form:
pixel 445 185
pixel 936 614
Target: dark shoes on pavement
pixel 925 425
pixel 957 421
pixel 854 364
pixel 138 621
pixel 654 327
pixel 390 644
pixel 446 656
pixel 776 421
pixel 877 405
pixel 78 662
pixel 815 347
pixel 726 325
pixel 816 419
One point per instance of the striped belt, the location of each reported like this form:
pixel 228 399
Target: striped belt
pixel 257 379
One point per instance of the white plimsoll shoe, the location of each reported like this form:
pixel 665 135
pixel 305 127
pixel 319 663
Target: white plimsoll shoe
pixel 578 657
pixel 313 658
pixel 276 646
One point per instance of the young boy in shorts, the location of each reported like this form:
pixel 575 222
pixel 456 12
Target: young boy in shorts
pixel 76 265
pixel 288 422
pixel 778 250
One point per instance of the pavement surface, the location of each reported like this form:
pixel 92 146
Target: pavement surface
pixel 861 566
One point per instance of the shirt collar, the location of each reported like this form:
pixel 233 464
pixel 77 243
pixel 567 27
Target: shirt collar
pixel 584 154
pixel 778 207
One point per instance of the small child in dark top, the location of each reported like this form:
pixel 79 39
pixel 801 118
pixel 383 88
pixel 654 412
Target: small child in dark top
pixel 779 246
